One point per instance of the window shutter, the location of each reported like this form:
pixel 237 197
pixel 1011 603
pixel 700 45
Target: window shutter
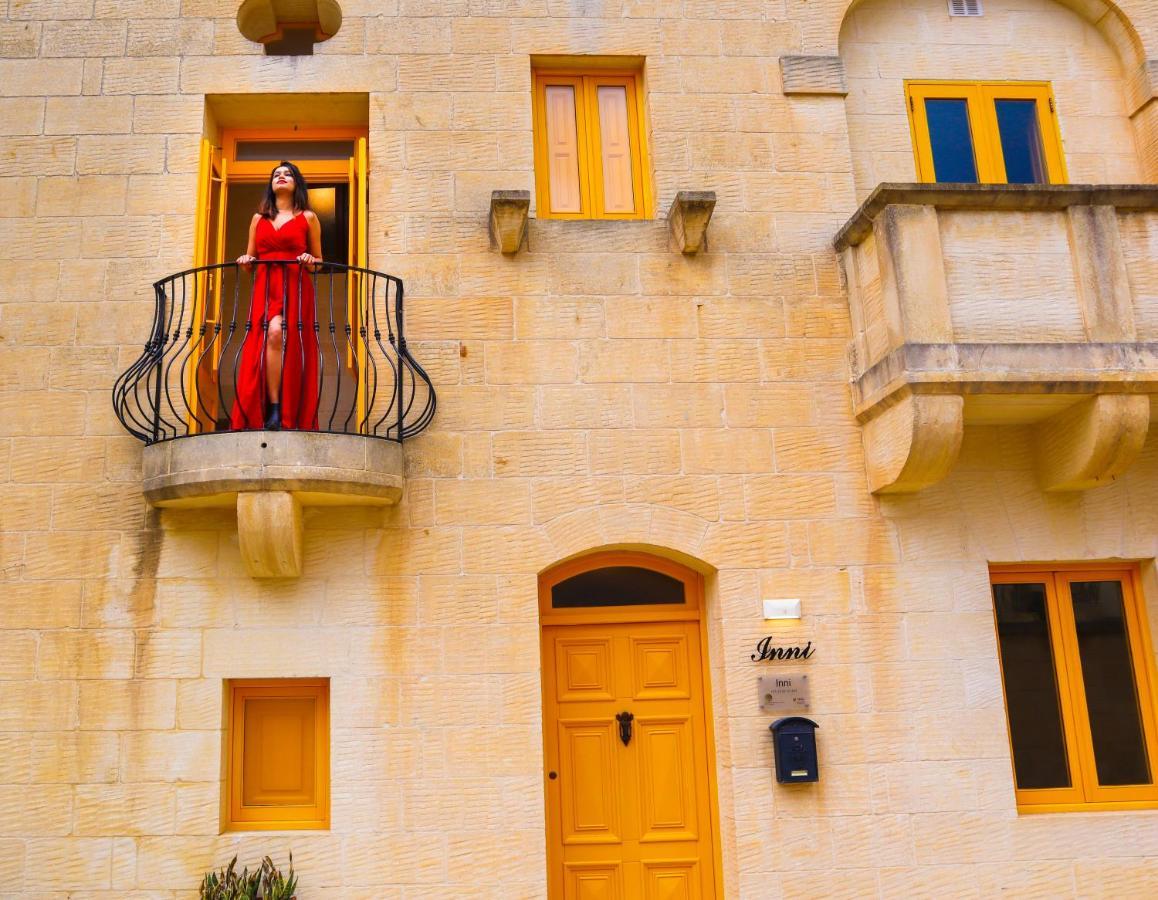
pixel 615 149
pixel 563 149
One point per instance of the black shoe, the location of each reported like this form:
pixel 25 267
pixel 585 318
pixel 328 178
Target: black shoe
pixel 273 420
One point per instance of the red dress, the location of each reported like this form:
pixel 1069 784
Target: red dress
pixel 286 291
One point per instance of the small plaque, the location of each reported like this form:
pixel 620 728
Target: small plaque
pixel 783 693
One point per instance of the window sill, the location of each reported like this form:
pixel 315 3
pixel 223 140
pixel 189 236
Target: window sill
pixel 1105 806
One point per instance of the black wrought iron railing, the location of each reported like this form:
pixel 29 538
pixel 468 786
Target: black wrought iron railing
pixel 221 334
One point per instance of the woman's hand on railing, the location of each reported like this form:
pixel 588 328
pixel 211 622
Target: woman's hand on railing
pixel 246 261
pixel 308 259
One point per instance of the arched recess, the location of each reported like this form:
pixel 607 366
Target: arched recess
pixel 627 628
pixel 1104 78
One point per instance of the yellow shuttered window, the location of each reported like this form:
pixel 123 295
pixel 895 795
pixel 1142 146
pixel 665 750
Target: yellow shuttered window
pixel 589 148
pixel 1078 675
pixel 278 753
pixel 987 132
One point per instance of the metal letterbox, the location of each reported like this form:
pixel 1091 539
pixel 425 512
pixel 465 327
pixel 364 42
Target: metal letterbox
pixel 794 743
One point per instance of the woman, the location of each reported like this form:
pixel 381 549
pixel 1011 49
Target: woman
pixel 277 375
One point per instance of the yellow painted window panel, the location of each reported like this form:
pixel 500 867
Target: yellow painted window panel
pixel 1085 792
pixel 278 759
pixel 615 152
pixel 982 98
pixel 589 154
pixel 563 148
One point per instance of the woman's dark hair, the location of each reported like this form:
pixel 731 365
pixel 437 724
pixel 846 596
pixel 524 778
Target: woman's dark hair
pixel 268 207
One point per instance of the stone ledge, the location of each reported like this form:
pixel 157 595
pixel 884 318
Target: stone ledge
pixel 1020 197
pixel 211 469
pixel 269 476
pixel 1027 368
pixel 813 75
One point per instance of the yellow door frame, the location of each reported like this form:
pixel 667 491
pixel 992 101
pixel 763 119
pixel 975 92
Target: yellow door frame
pixel 691 611
pixel 212 195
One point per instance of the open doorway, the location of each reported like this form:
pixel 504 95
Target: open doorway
pixel 234 174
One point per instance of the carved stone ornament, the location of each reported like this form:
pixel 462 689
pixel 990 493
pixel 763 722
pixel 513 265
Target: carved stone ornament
pixel 264 21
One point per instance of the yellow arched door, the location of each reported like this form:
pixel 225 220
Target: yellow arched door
pixel 627 742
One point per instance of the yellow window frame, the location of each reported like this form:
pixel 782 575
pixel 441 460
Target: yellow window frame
pixel 237 815
pixel 586 84
pixel 981 97
pixel 1084 792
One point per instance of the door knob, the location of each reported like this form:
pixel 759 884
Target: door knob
pixel 624 719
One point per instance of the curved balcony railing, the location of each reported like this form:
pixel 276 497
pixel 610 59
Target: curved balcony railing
pixel 213 323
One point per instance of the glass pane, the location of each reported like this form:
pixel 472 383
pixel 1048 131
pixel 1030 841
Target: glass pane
pixel 1108 675
pixel 617 586
pixel 951 140
pixel 562 149
pixel 1021 141
pixel 1027 667
pixel 615 140
pixel 273 151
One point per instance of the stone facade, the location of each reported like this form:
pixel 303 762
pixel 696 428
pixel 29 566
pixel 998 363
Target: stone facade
pixel 596 389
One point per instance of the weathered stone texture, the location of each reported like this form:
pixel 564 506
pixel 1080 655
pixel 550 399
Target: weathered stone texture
pixel 596 389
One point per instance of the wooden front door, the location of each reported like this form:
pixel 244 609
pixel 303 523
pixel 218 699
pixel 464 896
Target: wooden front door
pixel 627 758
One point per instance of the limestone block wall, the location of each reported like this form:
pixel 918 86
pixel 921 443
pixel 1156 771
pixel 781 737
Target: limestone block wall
pixel 884 42
pixel 598 389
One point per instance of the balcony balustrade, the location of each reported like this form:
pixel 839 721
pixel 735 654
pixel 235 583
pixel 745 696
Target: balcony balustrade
pixel 343 355
pixel 1003 304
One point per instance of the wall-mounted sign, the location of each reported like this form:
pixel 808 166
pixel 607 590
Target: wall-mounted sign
pixel 779 693
pixel 765 650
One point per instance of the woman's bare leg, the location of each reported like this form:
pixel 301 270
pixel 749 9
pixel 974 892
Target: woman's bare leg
pixel 273 356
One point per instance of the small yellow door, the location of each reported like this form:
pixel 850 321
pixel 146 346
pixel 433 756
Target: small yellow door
pixel 628 806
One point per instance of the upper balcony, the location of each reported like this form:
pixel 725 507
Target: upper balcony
pixel 198 397
pixel 1003 304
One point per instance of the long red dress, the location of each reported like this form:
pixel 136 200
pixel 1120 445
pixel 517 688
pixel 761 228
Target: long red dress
pixel 286 291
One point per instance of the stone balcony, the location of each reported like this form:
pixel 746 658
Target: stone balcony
pixel 206 444
pixel 1027 305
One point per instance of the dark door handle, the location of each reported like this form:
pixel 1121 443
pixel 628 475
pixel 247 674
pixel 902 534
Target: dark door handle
pixel 624 719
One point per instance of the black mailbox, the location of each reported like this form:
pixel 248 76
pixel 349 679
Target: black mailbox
pixel 794 742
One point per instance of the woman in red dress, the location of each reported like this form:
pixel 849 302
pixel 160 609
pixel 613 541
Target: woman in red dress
pixel 277 375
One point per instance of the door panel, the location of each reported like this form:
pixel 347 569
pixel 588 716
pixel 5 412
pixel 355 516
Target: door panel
pixel 595 882
pixel 666 780
pixel 584 670
pixel 590 806
pixel 660 665
pixel 671 881
pixel 627 819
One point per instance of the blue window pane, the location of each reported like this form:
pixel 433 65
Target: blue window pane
pixel 951 140
pixel 1021 141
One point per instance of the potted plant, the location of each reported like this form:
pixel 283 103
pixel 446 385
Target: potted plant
pixel 265 883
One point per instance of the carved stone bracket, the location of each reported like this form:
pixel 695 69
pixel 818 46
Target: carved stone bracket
pixel 690 213
pixel 914 443
pixel 1093 442
pixel 269 532
pixel 269 476
pixel 508 219
pixel 266 20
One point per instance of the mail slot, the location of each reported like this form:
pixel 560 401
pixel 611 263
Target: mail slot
pixel 794 743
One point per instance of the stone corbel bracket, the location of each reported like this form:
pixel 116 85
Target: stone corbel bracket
pixel 1091 443
pixel 269 476
pixel 690 213
pixel 508 219
pixel 264 20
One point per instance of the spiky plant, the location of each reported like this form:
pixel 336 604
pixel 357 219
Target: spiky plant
pixel 275 885
pixel 228 884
